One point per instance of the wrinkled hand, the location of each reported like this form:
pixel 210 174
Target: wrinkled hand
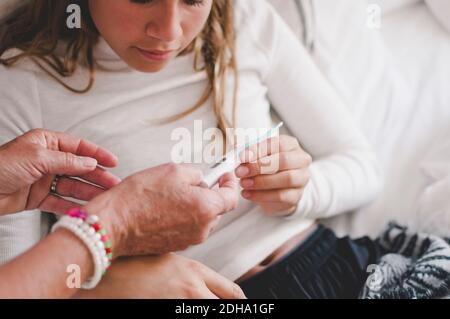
pixel 162 209
pixel 274 174
pixel 162 277
pixel 29 164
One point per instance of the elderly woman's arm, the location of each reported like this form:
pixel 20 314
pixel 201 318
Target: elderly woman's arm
pixel 136 223
pixel 43 271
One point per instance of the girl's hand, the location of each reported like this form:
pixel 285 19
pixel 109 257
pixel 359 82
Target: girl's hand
pixel 274 174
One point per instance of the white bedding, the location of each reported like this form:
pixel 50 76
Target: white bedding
pixel 421 49
pixel 441 11
pixel 434 202
pixel 396 89
pixel 389 6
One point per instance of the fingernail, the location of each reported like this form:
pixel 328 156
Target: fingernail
pixel 246 194
pixel 88 162
pixel 247 183
pixel 242 171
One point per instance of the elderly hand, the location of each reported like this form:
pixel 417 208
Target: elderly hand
pixel 274 174
pixel 30 163
pixel 163 209
pixel 162 277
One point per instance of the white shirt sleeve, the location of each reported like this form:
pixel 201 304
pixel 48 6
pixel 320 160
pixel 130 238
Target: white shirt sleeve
pixel 19 113
pixel 345 173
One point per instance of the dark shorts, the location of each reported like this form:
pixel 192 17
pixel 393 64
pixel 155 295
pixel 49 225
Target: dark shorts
pixel 321 267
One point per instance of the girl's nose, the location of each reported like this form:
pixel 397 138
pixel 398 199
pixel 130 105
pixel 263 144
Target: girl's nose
pixel 166 26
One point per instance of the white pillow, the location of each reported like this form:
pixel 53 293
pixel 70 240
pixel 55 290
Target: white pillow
pixel 434 202
pixel 299 15
pixel 355 60
pixel 433 215
pixel 441 10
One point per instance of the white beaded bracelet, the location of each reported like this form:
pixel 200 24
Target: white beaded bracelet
pixel 92 241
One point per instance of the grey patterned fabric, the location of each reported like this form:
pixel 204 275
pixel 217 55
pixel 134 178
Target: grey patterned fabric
pixel 415 266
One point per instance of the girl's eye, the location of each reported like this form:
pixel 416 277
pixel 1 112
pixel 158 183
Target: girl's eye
pixel 141 1
pixel 197 3
pixel 188 2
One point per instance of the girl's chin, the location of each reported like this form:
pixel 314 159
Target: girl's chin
pixel 151 68
pixel 146 66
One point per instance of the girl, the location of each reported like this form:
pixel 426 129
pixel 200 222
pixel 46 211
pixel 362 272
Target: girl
pixel 137 70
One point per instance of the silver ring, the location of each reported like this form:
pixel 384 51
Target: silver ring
pixel 54 185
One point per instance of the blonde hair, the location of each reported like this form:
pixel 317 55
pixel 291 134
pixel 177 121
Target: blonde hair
pixel 38 26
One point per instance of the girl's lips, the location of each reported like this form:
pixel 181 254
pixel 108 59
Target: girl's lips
pixel 156 55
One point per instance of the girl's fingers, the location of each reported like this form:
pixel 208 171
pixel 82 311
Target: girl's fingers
pixel 297 178
pixel 260 150
pixel 265 165
pixel 274 145
pixel 275 163
pixel 287 196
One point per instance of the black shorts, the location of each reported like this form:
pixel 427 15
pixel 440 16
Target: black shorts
pixel 321 267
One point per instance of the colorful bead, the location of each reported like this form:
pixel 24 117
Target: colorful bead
pixel 76 213
pixel 92 219
pixel 90 225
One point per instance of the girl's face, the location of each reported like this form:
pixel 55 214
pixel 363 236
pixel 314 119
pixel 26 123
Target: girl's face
pixel 148 34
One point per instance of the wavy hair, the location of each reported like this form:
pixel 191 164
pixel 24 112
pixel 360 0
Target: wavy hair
pixel 37 27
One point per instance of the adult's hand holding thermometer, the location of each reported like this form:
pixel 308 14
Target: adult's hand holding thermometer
pixel 232 159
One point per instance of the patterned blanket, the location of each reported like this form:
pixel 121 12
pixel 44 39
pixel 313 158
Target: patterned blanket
pixel 413 266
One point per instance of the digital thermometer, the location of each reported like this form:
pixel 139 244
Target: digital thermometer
pixel 232 159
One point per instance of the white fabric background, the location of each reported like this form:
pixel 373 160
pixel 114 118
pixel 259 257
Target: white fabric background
pixel 395 79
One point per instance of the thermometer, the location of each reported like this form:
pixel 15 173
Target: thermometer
pixel 232 159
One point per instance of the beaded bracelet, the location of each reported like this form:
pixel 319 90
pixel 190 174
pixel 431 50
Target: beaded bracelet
pixel 88 230
pixel 99 265
pixel 100 233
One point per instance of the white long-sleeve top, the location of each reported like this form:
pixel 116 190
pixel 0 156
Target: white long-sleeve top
pixel 276 73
